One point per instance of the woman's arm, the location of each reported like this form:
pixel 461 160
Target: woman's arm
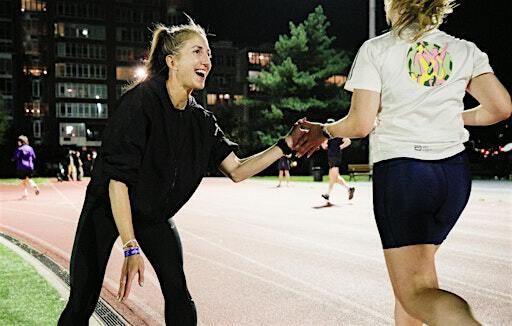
pixel 346 143
pixel 495 104
pixel 240 169
pixel 358 123
pixel 120 203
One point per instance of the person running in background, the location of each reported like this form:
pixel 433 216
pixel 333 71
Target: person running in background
pixel 334 147
pixel 284 169
pixel 24 158
pixel 413 80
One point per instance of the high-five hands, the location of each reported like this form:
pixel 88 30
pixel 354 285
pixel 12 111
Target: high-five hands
pixel 294 135
pixel 311 138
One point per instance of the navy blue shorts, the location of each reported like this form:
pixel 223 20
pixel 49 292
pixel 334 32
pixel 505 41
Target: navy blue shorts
pixel 334 161
pixel 418 202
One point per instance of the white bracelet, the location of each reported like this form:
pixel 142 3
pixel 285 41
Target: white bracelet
pixel 130 241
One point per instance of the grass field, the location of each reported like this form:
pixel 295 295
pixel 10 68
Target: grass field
pixel 25 297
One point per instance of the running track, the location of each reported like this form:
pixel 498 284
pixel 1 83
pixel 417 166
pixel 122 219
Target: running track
pixel 260 255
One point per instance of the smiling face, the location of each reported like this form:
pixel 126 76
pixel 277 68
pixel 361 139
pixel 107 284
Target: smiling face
pixel 192 64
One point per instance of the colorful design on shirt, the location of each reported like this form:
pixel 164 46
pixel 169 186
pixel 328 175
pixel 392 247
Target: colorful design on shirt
pixel 429 64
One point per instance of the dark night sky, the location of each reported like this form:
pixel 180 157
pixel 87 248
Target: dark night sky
pixel 258 21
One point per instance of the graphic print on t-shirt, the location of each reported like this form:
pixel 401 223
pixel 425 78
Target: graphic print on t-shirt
pixel 429 64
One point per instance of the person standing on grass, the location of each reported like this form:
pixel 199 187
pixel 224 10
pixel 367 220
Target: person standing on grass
pixel 25 158
pixel 283 165
pixel 413 80
pixel 156 149
pixel 334 147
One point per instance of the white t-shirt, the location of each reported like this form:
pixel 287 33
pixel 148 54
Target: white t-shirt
pixel 422 85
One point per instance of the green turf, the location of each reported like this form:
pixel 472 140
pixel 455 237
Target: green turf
pixel 39 181
pixel 306 178
pixel 25 297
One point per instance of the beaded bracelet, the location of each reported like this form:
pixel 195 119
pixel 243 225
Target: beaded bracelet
pixel 131 251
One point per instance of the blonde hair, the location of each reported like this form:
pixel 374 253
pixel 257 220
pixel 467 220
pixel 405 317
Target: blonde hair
pixel 23 139
pixel 422 15
pixel 167 41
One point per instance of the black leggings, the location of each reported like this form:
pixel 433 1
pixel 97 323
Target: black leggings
pixel 95 236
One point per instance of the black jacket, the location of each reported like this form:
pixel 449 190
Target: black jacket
pixel 159 152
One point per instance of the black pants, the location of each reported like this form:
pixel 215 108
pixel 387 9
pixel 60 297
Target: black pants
pixel 95 236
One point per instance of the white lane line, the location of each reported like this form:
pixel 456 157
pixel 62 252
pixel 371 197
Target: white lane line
pixel 478 289
pixel 506 261
pixel 311 243
pixel 65 198
pixel 268 281
pixel 499 295
pixel 334 296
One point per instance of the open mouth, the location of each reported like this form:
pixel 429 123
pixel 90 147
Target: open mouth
pixel 201 73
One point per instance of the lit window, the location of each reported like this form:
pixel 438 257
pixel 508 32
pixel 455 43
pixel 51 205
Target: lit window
pixel 211 99
pixel 260 59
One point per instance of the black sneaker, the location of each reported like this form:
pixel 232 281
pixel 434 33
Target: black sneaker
pixel 351 192
pixel 325 196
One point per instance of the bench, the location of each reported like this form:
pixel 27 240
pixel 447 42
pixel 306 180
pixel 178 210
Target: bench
pixel 359 169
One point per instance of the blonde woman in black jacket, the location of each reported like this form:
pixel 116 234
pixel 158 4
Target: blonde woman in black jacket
pixel 156 149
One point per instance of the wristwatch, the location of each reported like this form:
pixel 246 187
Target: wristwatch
pixel 281 143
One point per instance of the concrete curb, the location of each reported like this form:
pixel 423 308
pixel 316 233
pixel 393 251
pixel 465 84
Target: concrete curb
pixel 97 319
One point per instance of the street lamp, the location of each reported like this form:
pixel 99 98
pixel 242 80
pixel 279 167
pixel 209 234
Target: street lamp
pixel 371 19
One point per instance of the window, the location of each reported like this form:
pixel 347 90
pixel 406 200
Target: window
pixel 81 70
pixel 81 50
pixel 128 53
pixel 6 86
pixel 79 90
pixel 211 99
pixel 68 130
pixel 252 86
pixel 32 26
pixel 127 34
pixel 80 10
pixel 33 5
pixel 87 31
pixel 35 109
pixel 36 128
pixel 5 30
pixel 6 67
pixel 130 73
pixel 82 110
pixel 36 88
pixel 259 58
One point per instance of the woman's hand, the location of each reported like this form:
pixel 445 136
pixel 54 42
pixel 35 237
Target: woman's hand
pixel 132 265
pixel 311 140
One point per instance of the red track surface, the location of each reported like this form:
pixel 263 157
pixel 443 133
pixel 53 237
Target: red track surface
pixel 257 255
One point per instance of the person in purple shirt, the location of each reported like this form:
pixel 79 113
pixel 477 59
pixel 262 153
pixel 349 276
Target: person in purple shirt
pixel 24 158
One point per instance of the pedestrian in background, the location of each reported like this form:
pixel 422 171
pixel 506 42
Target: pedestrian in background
pixel 25 158
pixel 334 147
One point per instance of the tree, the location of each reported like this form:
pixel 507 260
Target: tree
pixel 294 84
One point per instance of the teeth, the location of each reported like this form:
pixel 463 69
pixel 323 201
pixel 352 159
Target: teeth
pixel 201 72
